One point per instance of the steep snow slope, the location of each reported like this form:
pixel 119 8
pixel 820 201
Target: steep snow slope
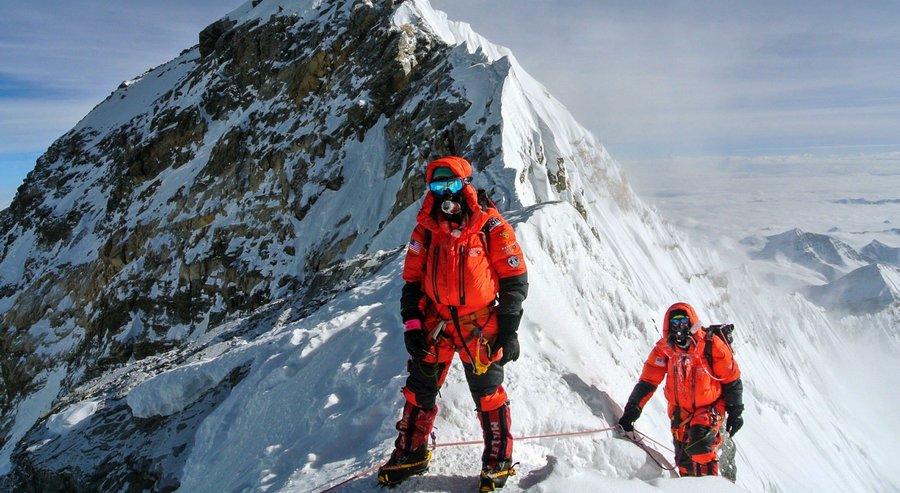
pixel 305 388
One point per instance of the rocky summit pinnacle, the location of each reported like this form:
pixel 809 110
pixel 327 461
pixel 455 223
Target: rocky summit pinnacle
pixel 274 163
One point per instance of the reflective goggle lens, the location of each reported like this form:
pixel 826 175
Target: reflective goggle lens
pixel 453 186
pixel 680 320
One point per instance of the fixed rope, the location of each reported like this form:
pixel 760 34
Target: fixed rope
pixel 370 469
pixel 654 441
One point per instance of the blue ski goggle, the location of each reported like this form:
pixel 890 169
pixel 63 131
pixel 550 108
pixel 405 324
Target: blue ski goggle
pixel 453 186
pixel 679 321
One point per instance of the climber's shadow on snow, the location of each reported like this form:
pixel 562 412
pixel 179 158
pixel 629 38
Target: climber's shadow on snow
pixel 537 475
pixel 604 406
pixel 599 402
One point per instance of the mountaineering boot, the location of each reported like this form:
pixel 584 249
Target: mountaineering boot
pixel 411 454
pixel 496 460
pixel 494 477
pixel 400 467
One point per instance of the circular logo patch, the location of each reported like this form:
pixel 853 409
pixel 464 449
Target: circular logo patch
pixel 513 261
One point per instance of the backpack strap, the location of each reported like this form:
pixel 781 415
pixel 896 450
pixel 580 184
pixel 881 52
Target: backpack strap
pixel 723 332
pixel 707 349
pixel 486 203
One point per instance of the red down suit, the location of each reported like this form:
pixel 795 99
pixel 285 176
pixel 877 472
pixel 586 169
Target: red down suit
pixel 697 392
pixel 464 281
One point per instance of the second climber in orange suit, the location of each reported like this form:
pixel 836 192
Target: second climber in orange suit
pixel 465 283
pixel 703 383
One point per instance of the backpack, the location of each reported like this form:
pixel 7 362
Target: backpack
pixel 722 331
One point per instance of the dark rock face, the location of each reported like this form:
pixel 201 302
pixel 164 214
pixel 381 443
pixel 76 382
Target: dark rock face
pixel 210 35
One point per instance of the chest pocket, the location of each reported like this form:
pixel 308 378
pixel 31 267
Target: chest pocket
pixel 474 270
pixel 692 381
pixel 459 271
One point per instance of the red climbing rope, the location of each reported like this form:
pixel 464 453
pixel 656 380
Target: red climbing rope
pixel 531 437
pixel 654 441
pixel 369 470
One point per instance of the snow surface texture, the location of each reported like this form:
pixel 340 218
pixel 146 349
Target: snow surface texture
pixel 320 396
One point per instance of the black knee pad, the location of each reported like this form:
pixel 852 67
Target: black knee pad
pixel 423 381
pixel 701 440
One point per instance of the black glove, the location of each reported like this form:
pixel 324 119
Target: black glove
pixel 510 346
pixel 507 337
pixel 416 344
pixel 631 414
pixel 734 422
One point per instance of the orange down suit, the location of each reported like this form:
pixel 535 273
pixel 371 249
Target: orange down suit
pixel 465 282
pixel 693 389
pixel 462 271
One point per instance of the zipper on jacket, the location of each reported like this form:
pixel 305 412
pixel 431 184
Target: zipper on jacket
pixel 434 273
pixel 462 275
pixel 693 383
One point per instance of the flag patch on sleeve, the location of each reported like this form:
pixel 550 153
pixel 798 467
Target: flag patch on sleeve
pixel 415 247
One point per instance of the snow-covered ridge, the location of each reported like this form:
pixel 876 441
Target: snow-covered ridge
pixel 421 14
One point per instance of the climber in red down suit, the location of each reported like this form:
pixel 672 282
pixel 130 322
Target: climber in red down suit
pixel 465 283
pixel 703 384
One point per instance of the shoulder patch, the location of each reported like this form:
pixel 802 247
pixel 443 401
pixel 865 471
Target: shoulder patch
pixel 513 261
pixel 493 223
pixel 659 361
pixel 415 247
pixel 511 248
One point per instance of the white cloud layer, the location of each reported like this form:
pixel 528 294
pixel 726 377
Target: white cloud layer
pixel 721 199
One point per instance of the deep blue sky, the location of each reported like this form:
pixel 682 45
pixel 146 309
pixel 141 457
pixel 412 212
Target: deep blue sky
pixel 654 81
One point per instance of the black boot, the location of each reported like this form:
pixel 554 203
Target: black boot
pixel 494 477
pixel 400 467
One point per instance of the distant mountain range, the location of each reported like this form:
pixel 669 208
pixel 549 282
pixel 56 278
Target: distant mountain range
pixel 855 282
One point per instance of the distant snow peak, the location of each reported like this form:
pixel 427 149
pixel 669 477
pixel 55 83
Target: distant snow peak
pixel 881 253
pixel 868 289
pixel 856 282
pixel 824 254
